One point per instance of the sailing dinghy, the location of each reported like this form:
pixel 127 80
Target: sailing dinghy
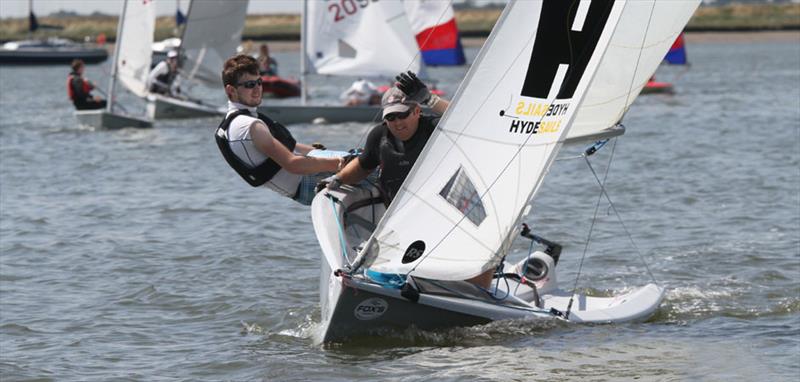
pixel 675 56
pixel 467 195
pixel 212 33
pixel 367 40
pixel 434 24
pixel 131 66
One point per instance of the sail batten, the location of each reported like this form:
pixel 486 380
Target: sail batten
pixel 497 140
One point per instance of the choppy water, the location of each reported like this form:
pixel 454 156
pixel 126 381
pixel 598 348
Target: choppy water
pixel 138 255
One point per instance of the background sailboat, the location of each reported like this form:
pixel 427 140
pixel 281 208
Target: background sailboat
pixel 461 206
pixel 434 25
pixel 131 66
pixel 369 39
pixel 213 31
pixel 675 56
pixel 50 51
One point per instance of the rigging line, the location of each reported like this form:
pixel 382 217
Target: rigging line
pixel 619 217
pixel 341 231
pixel 589 236
pixel 519 148
pixel 638 59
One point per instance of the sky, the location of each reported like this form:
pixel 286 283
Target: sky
pixel 19 8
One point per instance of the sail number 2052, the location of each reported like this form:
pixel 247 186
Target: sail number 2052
pixel 340 9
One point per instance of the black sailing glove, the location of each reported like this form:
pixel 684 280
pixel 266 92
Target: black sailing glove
pixel 413 88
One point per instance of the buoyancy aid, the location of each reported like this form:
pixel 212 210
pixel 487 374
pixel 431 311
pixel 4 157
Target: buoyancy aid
pixel 167 77
pixel 85 87
pixel 397 157
pixel 258 175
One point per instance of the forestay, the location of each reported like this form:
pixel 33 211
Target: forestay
pixel 135 45
pixel 213 31
pixel 359 38
pixel 645 33
pixel 466 194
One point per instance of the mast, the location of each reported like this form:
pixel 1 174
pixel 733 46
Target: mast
pixel 31 19
pixel 303 58
pixel 112 84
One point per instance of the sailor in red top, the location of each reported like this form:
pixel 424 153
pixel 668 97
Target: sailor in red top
pixel 79 89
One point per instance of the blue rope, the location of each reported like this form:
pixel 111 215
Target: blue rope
pixel 341 232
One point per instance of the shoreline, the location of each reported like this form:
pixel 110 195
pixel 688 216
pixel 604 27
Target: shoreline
pixel 691 38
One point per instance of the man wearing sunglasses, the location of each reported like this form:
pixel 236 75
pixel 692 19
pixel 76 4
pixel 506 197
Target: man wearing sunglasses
pixel 395 144
pixel 261 150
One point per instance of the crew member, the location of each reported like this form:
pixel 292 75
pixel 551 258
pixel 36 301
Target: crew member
pixel 79 89
pixel 261 150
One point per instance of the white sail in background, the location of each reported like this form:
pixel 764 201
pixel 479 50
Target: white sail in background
pixel 213 31
pixel 631 60
pixel 360 38
pixel 466 192
pixel 135 45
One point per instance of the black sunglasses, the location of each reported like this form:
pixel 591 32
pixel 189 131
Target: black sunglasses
pixel 250 84
pixel 392 116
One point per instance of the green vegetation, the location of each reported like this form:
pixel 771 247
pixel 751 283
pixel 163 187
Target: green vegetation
pixel 470 21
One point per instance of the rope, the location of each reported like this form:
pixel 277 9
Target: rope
pixel 341 230
pixel 591 229
pixel 619 217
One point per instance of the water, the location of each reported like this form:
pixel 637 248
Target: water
pixel 138 255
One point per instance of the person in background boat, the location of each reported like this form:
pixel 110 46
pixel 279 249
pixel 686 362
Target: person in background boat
pixel 261 150
pixel 361 92
pixel 267 66
pixel 79 89
pixel 161 79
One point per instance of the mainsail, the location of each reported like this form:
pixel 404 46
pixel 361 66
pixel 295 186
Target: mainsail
pixel 434 24
pixel 467 191
pixel 135 45
pixel 646 29
pixel 359 38
pixel 213 31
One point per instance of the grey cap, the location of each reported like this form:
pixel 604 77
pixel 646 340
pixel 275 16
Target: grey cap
pixel 394 101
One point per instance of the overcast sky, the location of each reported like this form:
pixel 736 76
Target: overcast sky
pixel 19 8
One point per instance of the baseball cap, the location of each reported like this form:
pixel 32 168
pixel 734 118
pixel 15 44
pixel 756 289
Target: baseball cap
pixel 394 101
pixel 172 54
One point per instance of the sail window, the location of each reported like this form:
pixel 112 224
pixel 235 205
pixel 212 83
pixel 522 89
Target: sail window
pixel 460 192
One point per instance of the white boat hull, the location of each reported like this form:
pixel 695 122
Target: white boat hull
pixel 102 118
pixel 292 114
pixel 162 107
pixel 356 305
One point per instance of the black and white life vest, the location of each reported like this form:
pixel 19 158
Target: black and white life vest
pixel 258 175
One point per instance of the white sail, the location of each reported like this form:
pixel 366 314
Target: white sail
pixel 213 31
pixel 359 38
pixel 469 187
pixel 645 33
pixel 135 45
